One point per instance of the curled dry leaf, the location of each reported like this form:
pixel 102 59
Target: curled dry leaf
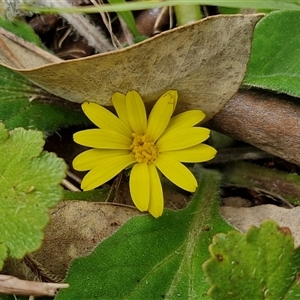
pixel 18 53
pixel 205 61
pixel 76 228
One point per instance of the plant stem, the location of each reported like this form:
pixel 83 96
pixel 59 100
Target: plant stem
pixel 187 14
pixel 265 120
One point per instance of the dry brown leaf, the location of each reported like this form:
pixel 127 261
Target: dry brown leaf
pixel 18 53
pixel 205 61
pixel 76 228
pixel 245 217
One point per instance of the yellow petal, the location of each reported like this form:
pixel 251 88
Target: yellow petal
pixel 186 119
pixel 139 185
pixel 136 112
pixel 176 172
pixel 89 159
pixel 174 97
pixel 182 138
pixel 104 119
pixel 198 153
pixel 106 170
pixel 119 103
pixel 102 139
pixel 160 115
pixel 156 203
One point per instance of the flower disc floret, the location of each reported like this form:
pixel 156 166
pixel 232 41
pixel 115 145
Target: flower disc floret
pixel 143 149
pixel 130 140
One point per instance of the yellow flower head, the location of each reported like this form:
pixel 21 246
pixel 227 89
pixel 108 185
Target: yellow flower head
pixel 162 142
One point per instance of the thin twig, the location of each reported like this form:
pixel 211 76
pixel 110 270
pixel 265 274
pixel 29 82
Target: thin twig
pixel 13 285
pixel 74 177
pixel 70 186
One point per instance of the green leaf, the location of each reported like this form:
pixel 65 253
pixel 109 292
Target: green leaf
pixel 29 187
pixel 23 104
pixel 274 61
pixel 3 255
pixel 128 19
pixel 262 264
pixel 153 258
pixel 22 30
pixel 252 176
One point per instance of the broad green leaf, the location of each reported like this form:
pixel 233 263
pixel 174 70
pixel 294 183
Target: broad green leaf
pixel 22 104
pixel 29 187
pixel 274 61
pixel 262 264
pixel 252 176
pixel 153 258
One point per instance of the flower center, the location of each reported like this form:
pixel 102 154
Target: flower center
pixel 143 149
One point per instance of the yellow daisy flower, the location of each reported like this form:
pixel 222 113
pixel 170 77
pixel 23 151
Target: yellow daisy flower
pixel 130 140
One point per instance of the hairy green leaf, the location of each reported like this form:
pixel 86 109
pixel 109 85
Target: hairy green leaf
pixel 153 258
pixel 274 61
pixel 262 264
pixel 22 104
pixel 29 187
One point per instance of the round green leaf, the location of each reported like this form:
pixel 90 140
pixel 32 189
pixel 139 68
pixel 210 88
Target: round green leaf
pixel 29 187
pixel 261 264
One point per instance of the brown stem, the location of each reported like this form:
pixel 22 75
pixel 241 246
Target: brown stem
pixel 267 121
